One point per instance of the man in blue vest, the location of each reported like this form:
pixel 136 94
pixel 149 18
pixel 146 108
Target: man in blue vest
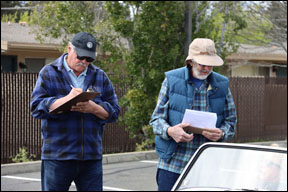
pixel 196 87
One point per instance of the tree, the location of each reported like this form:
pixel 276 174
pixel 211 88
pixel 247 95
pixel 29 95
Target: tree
pixel 229 21
pixel 188 26
pixel 267 24
pixel 12 11
pixel 277 15
pixel 61 19
pixel 156 33
pixel 10 3
pixel 219 20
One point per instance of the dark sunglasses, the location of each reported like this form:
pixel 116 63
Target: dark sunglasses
pixel 88 59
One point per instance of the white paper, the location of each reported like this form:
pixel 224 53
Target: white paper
pixel 200 119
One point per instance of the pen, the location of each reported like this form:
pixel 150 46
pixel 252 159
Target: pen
pixel 72 86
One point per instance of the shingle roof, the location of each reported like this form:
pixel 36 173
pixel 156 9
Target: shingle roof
pixel 254 49
pixel 14 32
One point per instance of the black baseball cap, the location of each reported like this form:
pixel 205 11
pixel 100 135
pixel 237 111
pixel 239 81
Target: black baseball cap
pixel 85 44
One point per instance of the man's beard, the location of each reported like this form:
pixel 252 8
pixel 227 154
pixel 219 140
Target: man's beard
pixel 197 75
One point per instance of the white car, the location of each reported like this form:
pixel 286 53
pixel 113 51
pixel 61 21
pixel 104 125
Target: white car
pixel 235 167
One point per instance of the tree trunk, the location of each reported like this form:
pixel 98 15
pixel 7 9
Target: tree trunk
pixel 221 44
pixel 188 26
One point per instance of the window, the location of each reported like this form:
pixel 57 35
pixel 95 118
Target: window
pixel 34 65
pixel 8 63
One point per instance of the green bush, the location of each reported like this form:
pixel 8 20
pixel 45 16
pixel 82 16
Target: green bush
pixel 148 141
pixel 23 156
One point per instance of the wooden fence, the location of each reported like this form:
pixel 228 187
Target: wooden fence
pixel 20 129
pixel 261 108
pixel 261 105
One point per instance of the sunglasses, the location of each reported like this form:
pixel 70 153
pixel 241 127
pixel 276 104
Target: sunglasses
pixel 88 59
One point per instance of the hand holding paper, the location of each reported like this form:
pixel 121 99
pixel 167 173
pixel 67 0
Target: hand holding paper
pixel 199 120
pixel 213 134
pixel 178 134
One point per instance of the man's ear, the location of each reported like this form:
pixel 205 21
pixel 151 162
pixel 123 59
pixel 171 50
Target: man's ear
pixel 69 49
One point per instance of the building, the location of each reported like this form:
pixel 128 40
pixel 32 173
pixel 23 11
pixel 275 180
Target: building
pixel 251 60
pixel 20 52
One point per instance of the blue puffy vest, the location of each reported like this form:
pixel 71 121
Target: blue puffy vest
pixel 181 93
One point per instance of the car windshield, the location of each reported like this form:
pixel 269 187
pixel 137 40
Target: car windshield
pixel 237 168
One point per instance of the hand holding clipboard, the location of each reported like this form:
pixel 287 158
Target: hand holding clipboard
pixel 65 107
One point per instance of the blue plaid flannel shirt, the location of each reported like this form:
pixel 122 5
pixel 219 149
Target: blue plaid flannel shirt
pixel 72 135
pixel 185 150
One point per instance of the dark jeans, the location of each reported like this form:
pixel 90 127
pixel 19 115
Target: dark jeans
pixel 58 175
pixel 166 179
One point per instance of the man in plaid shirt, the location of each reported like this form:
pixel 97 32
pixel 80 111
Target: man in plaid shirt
pixel 195 87
pixel 72 142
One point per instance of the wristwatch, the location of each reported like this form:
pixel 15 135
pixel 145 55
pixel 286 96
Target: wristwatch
pixel 223 135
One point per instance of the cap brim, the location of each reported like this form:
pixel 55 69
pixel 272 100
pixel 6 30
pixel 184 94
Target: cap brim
pixel 209 60
pixel 84 53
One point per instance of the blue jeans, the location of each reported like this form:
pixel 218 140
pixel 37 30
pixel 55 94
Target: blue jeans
pixel 58 175
pixel 166 179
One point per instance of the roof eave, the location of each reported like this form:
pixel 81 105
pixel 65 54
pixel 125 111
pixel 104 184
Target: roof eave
pixel 9 46
pixel 258 57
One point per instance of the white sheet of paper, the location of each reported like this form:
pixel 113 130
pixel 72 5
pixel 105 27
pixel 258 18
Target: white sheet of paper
pixel 200 119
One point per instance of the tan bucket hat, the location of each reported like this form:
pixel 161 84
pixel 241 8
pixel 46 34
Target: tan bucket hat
pixel 203 52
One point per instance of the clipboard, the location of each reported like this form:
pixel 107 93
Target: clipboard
pixel 65 107
pixel 190 129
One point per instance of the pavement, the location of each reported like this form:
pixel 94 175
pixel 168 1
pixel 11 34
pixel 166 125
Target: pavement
pixel 35 166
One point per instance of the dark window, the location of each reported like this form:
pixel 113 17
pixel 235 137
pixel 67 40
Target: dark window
pixel 34 65
pixel 281 72
pixel 264 71
pixel 8 63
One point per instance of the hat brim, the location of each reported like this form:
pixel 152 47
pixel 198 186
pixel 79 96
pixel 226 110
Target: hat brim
pixel 84 53
pixel 210 60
